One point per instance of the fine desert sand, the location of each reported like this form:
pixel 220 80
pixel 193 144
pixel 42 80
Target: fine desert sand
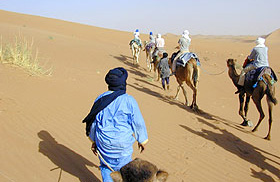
pixel 43 137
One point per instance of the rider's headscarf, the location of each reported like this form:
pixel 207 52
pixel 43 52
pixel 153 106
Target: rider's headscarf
pixel 185 34
pixel 260 42
pixel 116 79
pixel 136 33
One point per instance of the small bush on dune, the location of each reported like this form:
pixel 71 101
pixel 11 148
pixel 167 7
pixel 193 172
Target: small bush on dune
pixel 21 54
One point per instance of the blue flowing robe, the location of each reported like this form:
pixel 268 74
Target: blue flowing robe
pixel 115 129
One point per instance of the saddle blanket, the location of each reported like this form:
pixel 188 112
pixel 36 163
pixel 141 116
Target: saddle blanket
pixel 150 45
pixel 184 58
pixel 137 41
pixel 255 75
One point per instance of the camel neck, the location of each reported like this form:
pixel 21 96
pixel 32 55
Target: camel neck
pixel 233 74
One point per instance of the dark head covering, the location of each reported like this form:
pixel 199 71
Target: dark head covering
pixel 165 55
pixel 116 79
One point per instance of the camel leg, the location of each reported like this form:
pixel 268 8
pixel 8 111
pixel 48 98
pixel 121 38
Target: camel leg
pixel 158 74
pixel 185 94
pixel 133 54
pixel 177 93
pixel 270 108
pixel 147 59
pixel 193 105
pixel 246 107
pixel 257 101
pixel 137 56
pixel 241 112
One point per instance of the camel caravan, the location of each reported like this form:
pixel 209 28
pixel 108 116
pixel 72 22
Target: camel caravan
pixel 185 64
pixel 256 79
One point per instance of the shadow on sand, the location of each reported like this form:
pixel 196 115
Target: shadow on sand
pixel 138 71
pixel 240 148
pixel 65 159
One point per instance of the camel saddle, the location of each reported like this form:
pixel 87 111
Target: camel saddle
pixel 150 45
pixel 184 58
pixel 137 41
pixel 254 76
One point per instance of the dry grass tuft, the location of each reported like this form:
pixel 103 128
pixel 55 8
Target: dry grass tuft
pixel 21 54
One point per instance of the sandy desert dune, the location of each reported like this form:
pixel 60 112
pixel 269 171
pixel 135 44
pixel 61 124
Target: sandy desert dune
pixel 43 139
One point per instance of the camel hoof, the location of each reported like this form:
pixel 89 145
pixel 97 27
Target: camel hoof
pixel 254 130
pixel 175 98
pixel 267 138
pixel 247 123
pixel 244 123
pixel 194 108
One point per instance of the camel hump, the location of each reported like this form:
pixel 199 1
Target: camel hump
pixel 139 170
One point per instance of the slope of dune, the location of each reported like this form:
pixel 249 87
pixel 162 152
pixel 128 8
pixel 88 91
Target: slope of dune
pixel 43 139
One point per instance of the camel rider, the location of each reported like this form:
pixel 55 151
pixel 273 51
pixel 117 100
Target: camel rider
pixel 152 38
pixel 136 38
pixel 159 45
pixel 258 58
pixel 184 44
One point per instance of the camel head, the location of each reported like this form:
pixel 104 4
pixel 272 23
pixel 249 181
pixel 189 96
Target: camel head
pixel 231 62
pixel 139 170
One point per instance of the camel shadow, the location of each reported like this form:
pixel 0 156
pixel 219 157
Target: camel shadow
pixel 138 71
pixel 65 159
pixel 240 148
pixel 126 60
pixel 201 113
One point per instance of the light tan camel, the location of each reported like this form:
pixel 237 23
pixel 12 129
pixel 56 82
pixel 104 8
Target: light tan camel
pixel 135 50
pixel 139 170
pixel 149 48
pixel 264 87
pixel 190 75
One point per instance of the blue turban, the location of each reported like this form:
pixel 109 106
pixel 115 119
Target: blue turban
pixel 116 79
pixel 151 33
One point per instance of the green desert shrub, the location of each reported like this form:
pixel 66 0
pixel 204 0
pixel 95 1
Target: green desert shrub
pixel 21 53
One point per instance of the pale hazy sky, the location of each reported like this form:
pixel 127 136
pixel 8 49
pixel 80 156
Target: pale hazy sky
pixel 208 17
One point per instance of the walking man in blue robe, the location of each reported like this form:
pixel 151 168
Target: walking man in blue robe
pixel 114 123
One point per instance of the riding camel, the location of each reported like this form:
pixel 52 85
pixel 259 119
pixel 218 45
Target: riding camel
pixel 190 75
pixel 135 49
pixel 264 86
pixel 139 170
pixel 149 48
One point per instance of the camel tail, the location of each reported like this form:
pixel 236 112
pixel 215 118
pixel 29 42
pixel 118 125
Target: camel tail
pixel 195 74
pixel 270 91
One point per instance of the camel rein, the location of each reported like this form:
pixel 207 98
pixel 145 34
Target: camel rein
pixel 98 153
pixel 213 73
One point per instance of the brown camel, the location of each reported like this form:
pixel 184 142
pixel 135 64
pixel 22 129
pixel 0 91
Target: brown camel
pixel 190 75
pixel 264 87
pixel 139 170
pixel 156 60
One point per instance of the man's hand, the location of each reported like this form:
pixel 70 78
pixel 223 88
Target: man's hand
pixel 141 147
pixel 94 148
